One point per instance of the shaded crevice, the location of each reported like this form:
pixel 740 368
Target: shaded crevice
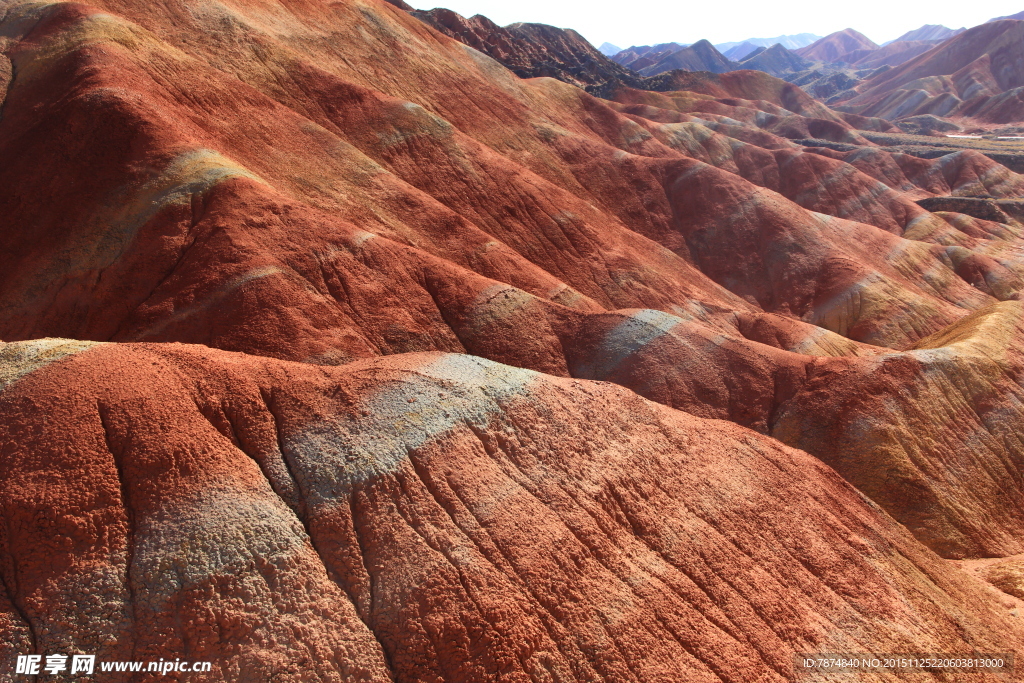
pixel 366 618
pixel 117 454
pixel 338 292
pixel 298 507
pixel 22 614
pixel 445 315
pixel 197 208
pixel 301 513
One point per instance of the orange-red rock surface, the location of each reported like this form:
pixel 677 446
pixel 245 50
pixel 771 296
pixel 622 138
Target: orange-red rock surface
pixel 579 341
pixel 436 517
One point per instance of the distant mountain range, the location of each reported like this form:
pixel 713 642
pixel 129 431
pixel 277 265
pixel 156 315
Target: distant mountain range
pixel 928 32
pixel 741 51
pixel 1018 15
pixel 835 46
pixel 701 56
pixel 530 50
pixel 974 74
pixel 775 60
pixel 930 71
pixel 793 42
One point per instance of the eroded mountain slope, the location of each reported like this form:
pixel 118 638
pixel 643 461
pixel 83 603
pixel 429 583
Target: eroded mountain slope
pixel 437 517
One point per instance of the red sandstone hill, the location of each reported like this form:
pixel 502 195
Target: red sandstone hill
pixel 836 46
pixel 974 74
pixel 412 369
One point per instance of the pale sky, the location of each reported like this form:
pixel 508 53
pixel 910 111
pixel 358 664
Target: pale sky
pixel 687 21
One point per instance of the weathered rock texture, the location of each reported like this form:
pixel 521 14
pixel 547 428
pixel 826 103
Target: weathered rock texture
pixel 437 517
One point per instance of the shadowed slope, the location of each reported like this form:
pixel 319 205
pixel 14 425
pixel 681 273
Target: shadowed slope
pixel 909 429
pixel 701 56
pixel 531 50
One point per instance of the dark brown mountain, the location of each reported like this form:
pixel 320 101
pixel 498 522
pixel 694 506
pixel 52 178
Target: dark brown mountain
pixel 775 60
pixel 530 50
pixel 631 54
pixel 701 56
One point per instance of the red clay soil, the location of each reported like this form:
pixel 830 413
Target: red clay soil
pixel 287 187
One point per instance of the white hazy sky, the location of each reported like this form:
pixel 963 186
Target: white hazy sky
pixel 720 21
